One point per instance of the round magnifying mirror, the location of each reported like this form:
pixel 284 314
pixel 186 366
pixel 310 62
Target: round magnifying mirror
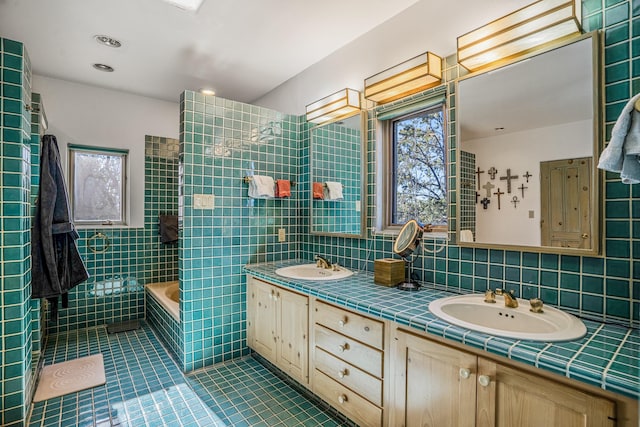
pixel 408 238
pixel 407 241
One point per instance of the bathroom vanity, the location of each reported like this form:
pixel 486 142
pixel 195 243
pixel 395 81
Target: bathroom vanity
pixel 379 357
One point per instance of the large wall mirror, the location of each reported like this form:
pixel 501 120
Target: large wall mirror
pixel 337 159
pixel 529 137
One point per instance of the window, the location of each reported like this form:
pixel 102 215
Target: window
pixel 97 185
pixel 417 186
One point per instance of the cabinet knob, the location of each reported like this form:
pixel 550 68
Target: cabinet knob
pixel 342 398
pixel 342 322
pixel 343 347
pixel 343 373
pixel 465 373
pixel 484 380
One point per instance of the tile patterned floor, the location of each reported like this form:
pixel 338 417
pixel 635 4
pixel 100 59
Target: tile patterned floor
pixel 146 388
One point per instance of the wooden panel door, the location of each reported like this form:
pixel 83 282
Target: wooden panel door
pixel 515 398
pixel 293 327
pixel 565 191
pixel 261 315
pixel 433 385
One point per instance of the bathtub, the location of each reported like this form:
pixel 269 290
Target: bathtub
pixel 167 294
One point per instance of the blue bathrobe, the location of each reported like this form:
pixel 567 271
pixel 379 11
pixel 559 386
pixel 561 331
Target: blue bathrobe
pixel 56 264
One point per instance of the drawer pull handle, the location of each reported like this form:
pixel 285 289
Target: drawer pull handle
pixel 484 380
pixel 465 373
pixel 342 398
pixel 343 373
pixel 342 322
pixel 342 348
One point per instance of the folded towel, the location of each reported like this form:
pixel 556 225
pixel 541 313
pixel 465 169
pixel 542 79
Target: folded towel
pixel 466 236
pixel 261 187
pixel 318 192
pixel 168 228
pixel 283 188
pixel 623 151
pixel 333 191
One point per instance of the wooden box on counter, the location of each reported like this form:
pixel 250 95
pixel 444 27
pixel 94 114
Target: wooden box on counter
pixel 388 271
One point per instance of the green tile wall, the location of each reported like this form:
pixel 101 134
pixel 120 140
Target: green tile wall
pixel 221 142
pixel 135 257
pixel 15 278
pixel 601 288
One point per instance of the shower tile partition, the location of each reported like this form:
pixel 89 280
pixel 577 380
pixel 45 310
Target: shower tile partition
pixel 15 249
pixel 221 142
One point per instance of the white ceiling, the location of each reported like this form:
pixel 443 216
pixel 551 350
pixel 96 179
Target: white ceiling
pixel 546 90
pixel 241 48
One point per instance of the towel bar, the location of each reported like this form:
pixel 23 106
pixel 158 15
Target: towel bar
pixel 105 246
pixel 247 179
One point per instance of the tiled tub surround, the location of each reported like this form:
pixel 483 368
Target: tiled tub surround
pixel 165 323
pixel 607 357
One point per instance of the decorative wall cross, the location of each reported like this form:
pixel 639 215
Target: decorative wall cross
pixel 479 172
pixel 522 188
pixel 488 186
pixel 527 175
pixel 498 193
pixel 508 178
pixel 492 172
pixel 515 201
pixel 485 202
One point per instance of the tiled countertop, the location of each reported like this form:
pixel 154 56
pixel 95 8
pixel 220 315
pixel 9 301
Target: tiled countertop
pixel 607 357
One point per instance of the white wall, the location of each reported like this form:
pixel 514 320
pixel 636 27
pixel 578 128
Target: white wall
pixel 89 115
pixel 522 152
pixel 420 28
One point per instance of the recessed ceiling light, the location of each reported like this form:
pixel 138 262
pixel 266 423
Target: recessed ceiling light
pixel 103 67
pixel 208 92
pixel 107 41
pixel 192 5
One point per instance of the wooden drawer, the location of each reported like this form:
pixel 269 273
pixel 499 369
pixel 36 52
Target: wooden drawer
pixel 360 410
pixel 364 357
pixel 348 375
pixel 353 325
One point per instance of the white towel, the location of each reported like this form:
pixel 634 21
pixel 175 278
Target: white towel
pixel 262 187
pixel 623 151
pixel 466 236
pixel 333 191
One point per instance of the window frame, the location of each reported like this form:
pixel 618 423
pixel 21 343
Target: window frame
pixel 114 152
pixel 389 193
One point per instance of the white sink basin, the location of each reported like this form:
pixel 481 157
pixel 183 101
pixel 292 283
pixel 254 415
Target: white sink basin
pixel 312 272
pixel 471 312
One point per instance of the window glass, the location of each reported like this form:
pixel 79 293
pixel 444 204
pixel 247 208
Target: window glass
pixel 418 186
pixel 97 186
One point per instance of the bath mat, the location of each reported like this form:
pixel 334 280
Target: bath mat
pixel 128 325
pixel 70 377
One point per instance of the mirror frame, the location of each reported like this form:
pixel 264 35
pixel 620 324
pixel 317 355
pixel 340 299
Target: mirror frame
pixel 363 178
pixel 597 177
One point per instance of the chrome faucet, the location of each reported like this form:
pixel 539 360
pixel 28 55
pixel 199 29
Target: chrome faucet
pixel 322 262
pixel 510 299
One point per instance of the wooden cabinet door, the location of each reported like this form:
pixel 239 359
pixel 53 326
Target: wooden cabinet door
pixel 515 398
pixel 433 385
pixel 293 327
pixel 262 318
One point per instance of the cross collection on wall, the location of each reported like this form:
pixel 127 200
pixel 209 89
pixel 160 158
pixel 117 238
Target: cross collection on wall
pixel 488 187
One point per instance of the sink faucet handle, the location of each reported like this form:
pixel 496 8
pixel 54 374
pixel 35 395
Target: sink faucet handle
pixel 489 296
pixel 536 305
pixel 499 291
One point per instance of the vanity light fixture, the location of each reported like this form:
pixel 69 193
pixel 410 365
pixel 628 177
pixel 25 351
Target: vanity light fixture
pixel 339 105
pixel 524 31
pixel 412 76
pixel 103 67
